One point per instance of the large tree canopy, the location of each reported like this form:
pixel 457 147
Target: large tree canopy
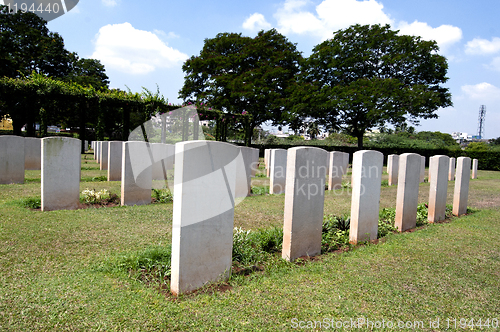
pixel 240 74
pixel 366 76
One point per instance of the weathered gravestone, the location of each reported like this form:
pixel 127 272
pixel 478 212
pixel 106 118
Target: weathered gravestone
pixel 163 156
pixel 304 201
pixel 104 155
pixel 422 168
pixel 365 202
pixel 11 159
pixel 438 174
pixel 451 173
pixel 61 168
pixel 137 181
pixel 337 167
pixel 461 193
pixel 115 150
pixel 393 168
pixel 267 156
pixel 407 194
pixel 202 225
pixel 277 176
pixel 244 170
pixel 474 168
pixel 32 153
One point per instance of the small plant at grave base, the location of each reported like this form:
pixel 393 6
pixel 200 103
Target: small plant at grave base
pixel 91 196
pixel 256 247
pixel 260 190
pixel 32 203
pixel 384 183
pixel 162 195
pixel 151 266
pixel 422 214
pixel 335 233
pixel 260 175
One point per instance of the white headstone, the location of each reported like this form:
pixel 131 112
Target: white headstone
pixel 255 161
pixel 163 155
pixel 98 151
pixel 61 168
pixel 11 159
pixel 267 157
pixel 202 225
pixel 451 173
pixel 277 176
pixel 32 153
pixel 393 168
pixel 461 193
pixel 244 171
pixel 104 155
pixel 422 168
pixel 474 168
pixel 136 182
pixel 304 201
pixel 366 182
pixel 337 167
pixel 407 194
pixel 438 174
pixel 115 150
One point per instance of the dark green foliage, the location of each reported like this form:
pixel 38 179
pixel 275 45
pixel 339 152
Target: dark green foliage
pixel 369 75
pixel 162 195
pixel 32 202
pixel 260 190
pixel 253 247
pixel 239 74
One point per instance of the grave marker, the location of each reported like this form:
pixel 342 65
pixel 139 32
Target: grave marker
pixel 407 194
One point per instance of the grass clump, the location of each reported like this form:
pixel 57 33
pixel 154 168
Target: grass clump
pixel 151 265
pixel 260 190
pixel 31 203
pixel 335 233
pixel 255 247
pixel 162 195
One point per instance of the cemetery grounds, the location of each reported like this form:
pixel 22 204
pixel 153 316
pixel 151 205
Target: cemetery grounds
pixel 67 270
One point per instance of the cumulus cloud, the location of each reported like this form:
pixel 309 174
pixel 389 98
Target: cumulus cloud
pixel 329 16
pixel 256 22
pixel 109 3
pixel 124 48
pixel 302 18
pixel 483 46
pixel 482 91
pixel 444 35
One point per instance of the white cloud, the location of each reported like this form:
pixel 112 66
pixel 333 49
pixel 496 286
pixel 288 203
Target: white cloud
pixel 124 48
pixel 444 35
pixel 482 92
pixel 330 16
pixel 109 3
pixel 483 46
pixel 256 22
pixel 495 64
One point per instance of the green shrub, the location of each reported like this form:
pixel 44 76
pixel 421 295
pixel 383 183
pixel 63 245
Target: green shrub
pixel 260 190
pixel 162 195
pixel 32 202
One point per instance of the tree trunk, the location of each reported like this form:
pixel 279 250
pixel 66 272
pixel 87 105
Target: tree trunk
pixel 360 140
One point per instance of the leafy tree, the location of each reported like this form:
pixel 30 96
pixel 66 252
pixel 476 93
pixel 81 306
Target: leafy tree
pixel 88 72
pixel 366 76
pixel 238 74
pixel 26 45
pixel 477 146
pixel 495 141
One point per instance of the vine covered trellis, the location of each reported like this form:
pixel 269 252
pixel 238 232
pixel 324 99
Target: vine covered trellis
pixel 44 100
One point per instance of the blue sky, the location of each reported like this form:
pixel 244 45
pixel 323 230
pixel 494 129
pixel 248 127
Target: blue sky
pixel 145 43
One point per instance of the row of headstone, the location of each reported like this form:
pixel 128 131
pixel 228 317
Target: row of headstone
pixel 393 169
pixel 275 161
pixel 202 236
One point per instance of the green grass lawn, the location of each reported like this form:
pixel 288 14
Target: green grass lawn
pixel 55 271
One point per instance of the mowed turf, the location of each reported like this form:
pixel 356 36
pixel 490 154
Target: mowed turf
pixel 52 275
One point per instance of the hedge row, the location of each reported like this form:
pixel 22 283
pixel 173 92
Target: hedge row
pixel 487 160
